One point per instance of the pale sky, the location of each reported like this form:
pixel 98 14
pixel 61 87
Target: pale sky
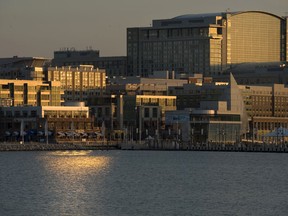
pixel 38 28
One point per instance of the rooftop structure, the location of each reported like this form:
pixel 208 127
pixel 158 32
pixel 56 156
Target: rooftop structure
pixel 113 65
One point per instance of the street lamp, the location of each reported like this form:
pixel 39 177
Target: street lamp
pixel 140 123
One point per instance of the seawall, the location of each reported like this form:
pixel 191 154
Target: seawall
pixel 54 147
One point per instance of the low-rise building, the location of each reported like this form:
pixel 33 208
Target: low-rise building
pixel 23 68
pixel 78 83
pixel 30 93
pixel 63 123
pixel 113 65
pixel 200 126
pixel 267 108
pixel 212 109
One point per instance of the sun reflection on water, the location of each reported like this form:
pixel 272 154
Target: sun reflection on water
pixel 77 161
pixel 72 175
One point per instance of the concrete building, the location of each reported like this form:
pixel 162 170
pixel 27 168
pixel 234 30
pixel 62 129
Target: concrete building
pixel 265 105
pixel 108 109
pixel 257 74
pixel 78 83
pixel 267 108
pixel 61 120
pixel 30 93
pixel 23 68
pixel 209 112
pixel 113 65
pixel 146 113
pixel 156 84
pixel 203 126
pixel 131 114
pixel 207 43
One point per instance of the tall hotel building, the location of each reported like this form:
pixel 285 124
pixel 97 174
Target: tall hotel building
pixel 207 43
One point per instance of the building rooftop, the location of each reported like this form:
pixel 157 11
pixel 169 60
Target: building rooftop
pixel 193 16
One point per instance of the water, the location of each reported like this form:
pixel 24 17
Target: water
pixel 143 183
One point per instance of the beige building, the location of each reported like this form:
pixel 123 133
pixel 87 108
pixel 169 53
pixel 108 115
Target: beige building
pixel 214 111
pixel 267 108
pixel 62 122
pixel 78 83
pixel 154 85
pixel 31 93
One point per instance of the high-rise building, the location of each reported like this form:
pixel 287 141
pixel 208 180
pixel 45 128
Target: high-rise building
pixel 207 43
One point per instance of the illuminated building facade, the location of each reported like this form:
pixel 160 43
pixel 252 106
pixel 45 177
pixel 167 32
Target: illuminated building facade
pixel 30 93
pixel 60 120
pixel 207 43
pixel 23 68
pixel 78 83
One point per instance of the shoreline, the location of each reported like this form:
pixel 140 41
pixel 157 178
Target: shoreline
pixel 53 147
pixel 143 146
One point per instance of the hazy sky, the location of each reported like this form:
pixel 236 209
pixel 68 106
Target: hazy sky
pixel 38 27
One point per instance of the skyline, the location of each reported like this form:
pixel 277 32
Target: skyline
pixel 31 28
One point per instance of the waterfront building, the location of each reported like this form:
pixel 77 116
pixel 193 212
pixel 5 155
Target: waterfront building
pixel 129 98
pixel 131 114
pixel 78 83
pixel 265 105
pixel 113 65
pixel 30 93
pixel 267 108
pixel 203 126
pixel 146 113
pixel 208 112
pixel 108 109
pixel 207 43
pixel 60 120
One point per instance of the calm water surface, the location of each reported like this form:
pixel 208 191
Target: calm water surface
pixel 143 183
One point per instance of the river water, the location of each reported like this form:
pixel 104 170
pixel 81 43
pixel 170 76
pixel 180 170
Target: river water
pixel 136 183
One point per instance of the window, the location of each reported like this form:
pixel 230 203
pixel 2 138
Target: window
pixel 17 113
pixel 155 112
pixel 33 113
pixel 146 112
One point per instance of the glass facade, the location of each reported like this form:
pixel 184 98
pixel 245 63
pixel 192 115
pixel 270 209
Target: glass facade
pixel 181 49
pixel 187 45
pixel 255 37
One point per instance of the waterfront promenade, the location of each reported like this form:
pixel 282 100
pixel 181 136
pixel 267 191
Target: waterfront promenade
pixel 151 145
pixel 55 147
pixel 188 146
